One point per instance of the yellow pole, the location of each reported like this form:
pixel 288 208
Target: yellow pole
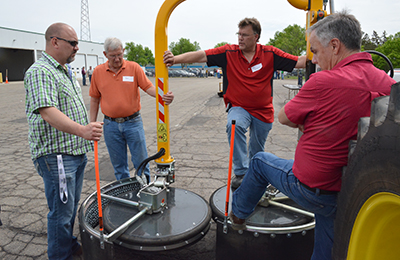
pixel 1 77
pixel 161 45
pixel 315 13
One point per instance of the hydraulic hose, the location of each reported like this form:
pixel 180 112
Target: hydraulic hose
pixel 147 160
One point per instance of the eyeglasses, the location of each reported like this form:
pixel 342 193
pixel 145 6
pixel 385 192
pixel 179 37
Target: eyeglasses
pixel 115 56
pixel 73 43
pixel 244 35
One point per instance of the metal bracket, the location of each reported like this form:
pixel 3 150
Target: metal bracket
pixel 166 173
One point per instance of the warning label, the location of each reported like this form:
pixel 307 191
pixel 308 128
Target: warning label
pixel 162 136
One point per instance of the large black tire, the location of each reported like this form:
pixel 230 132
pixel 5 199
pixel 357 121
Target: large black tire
pixel 367 224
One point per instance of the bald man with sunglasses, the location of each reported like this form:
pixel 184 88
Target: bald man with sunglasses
pixel 60 135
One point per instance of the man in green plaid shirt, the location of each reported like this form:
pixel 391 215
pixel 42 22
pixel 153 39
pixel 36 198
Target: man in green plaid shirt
pixel 60 135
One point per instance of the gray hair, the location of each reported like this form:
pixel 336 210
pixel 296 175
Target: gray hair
pixel 112 44
pixel 342 26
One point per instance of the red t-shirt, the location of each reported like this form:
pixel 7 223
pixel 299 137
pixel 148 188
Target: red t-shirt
pixel 329 106
pixel 249 84
pixel 119 92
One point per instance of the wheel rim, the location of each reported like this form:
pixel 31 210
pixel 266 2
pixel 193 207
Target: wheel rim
pixel 376 230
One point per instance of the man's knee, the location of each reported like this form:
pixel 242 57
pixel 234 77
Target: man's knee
pixel 240 126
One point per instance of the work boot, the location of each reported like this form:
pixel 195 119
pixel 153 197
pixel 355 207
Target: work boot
pixel 237 223
pixel 236 181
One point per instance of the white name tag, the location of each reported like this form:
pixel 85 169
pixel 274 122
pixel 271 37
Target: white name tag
pixel 256 67
pixel 127 78
pixel 62 180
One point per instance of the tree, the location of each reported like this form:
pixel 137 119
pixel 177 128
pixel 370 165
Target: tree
pixel 366 43
pixel 136 52
pixel 220 44
pixel 391 49
pixel 376 39
pixel 183 46
pixel 291 40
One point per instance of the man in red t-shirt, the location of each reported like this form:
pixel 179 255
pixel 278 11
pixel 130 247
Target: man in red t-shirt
pixel 326 110
pixel 248 73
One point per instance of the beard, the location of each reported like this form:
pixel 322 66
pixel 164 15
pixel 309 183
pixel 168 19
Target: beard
pixel 71 58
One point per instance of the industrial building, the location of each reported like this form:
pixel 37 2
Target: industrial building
pixel 20 49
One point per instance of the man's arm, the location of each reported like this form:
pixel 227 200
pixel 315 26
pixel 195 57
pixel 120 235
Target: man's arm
pixel 284 120
pixel 167 98
pixel 60 121
pixel 301 62
pixel 94 108
pixel 188 57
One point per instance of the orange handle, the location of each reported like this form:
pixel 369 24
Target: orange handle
pixel 228 188
pixel 96 167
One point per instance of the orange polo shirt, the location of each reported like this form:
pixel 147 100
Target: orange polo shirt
pixel 119 92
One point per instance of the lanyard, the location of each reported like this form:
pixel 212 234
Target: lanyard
pixel 62 180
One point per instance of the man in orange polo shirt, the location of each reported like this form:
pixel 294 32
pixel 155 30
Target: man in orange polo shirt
pixel 115 86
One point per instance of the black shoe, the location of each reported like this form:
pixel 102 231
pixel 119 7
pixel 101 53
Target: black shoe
pixel 236 181
pixel 237 223
pixel 78 254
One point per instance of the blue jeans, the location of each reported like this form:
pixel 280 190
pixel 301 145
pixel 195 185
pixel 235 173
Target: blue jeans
pixel 258 135
pixel 266 168
pixel 118 137
pixel 60 220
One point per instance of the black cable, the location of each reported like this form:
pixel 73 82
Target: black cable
pixel 147 160
pixel 386 59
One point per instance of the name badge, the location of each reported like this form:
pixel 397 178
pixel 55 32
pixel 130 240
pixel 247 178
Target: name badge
pixel 256 67
pixel 62 180
pixel 127 78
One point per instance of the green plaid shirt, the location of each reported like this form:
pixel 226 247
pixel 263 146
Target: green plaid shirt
pixel 48 84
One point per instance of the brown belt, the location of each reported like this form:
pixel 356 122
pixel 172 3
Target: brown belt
pixel 123 119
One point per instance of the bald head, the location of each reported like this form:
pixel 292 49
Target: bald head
pixel 58 42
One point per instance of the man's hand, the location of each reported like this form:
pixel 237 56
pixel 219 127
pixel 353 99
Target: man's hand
pixel 169 58
pixel 60 121
pixel 93 131
pixel 168 98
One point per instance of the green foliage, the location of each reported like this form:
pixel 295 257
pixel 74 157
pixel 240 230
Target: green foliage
pixel 391 49
pixel 388 45
pixel 183 46
pixel 367 44
pixel 136 52
pixel 291 40
pixel 220 44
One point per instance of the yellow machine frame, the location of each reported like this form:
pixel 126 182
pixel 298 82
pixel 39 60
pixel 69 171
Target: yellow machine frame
pixel 161 44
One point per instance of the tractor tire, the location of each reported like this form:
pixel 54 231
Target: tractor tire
pixel 367 224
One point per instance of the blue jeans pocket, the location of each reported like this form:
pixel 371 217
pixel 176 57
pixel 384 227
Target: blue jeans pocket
pixel 324 205
pixel 37 167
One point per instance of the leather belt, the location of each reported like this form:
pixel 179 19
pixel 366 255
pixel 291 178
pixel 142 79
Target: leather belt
pixel 324 192
pixel 123 119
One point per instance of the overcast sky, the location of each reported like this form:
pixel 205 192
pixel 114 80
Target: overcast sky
pixel 206 21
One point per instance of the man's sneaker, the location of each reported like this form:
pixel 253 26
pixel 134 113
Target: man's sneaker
pixel 236 181
pixel 237 223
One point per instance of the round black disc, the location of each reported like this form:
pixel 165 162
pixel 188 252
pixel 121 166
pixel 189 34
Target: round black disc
pixel 271 216
pixel 185 220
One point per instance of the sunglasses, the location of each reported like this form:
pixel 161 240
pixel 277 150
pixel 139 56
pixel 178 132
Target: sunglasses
pixel 73 43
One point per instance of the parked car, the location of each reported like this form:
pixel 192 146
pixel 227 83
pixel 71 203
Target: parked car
pixel 150 73
pixel 173 73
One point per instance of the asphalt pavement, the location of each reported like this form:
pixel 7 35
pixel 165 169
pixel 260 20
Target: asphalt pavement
pixel 198 144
